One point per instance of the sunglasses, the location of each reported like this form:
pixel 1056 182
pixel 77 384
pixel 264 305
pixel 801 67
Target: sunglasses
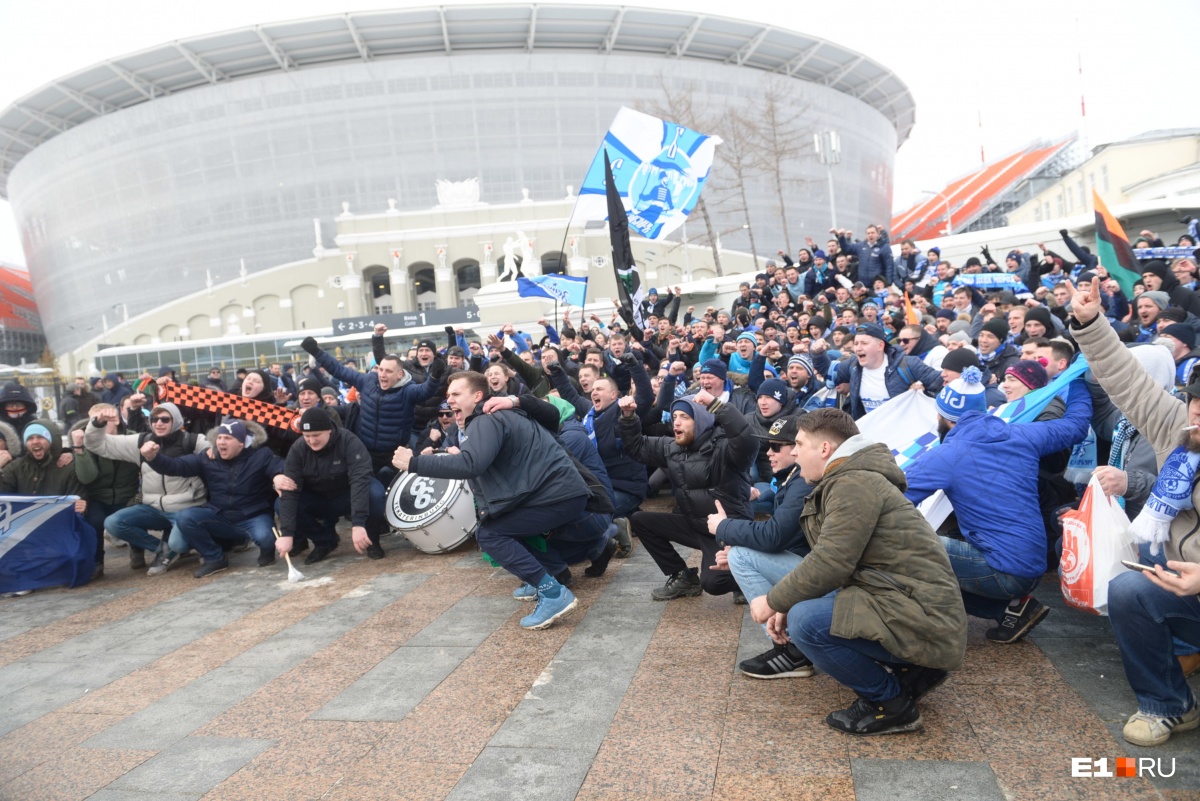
pixel 776 447
pixel 445 414
pixel 166 420
pixel 903 341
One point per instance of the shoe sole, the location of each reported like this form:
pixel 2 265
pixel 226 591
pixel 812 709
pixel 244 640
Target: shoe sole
pixel 916 725
pixel 1022 632
pixel 214 572
pixel 1182 727
pixel 545 623
pixel 802 673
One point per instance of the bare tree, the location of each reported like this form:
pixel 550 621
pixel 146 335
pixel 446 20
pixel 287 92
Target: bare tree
pixel 739 160
pixel 782 138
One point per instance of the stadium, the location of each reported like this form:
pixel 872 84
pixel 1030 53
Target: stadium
pixel 145 179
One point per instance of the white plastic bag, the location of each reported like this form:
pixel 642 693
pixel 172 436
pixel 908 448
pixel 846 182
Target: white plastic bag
pixel 1095 539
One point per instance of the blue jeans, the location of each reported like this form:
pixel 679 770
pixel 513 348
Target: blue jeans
pixel 858 664
pixel 626 503
pixel 757 572
pixel 1144 556
pixel 202 526
pixel 583 539
pixel 131 523
pixel 986 592
pixel 317 515
pixel 1144 619
pixel 502 537
pixel 98 512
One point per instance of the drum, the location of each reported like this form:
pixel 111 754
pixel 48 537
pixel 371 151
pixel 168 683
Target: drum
pixel 435 514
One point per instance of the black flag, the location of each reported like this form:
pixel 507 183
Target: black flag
pixel 629 283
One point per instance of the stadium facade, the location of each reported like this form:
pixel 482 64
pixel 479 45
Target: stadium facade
pixel 143 179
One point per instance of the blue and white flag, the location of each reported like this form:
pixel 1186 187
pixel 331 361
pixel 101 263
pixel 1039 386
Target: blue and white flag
pixel 994 282
pixel 43 543
pixel 659 169
pixel 563 288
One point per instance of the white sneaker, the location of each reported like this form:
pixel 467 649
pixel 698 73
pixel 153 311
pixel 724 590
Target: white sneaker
pixel 1151 730
pixel 18 594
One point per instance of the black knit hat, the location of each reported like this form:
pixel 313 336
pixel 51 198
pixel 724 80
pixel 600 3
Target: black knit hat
pixel 960 359
pixel 997 327
pixel 311 385
pixel 315 419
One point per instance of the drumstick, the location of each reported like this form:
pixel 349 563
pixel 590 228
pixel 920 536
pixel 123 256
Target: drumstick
pixel 294 575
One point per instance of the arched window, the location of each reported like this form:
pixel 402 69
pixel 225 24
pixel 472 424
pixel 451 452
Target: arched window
pixel 424 285
pixel 467 273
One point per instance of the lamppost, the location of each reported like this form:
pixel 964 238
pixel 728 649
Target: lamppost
pixel 829 152
pixel 946 200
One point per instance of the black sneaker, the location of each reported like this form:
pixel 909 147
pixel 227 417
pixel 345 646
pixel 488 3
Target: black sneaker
pixel 208 568
pixel 869 718
pixel 781 662
pixel 565 578
pixel 600 564
pixel 137 558
pixel 1019 619
pixel 98 571
pixel 919 681
pixel 319 552
pixel 299 546
pixel 375 551
pixel 266 556
pixel 684 584
pixel 739 598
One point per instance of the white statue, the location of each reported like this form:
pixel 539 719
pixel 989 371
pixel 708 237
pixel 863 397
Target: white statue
pixel 525 196
pixel 391 205
pixel 510 261
pixel 526 248
pixel 345 207
pixel 458 193
pixel 442 258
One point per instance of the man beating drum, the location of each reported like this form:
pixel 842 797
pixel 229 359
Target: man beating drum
pixel 330 472
pixel 524 481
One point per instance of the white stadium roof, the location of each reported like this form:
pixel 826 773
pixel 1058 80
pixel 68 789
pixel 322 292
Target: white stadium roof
pixel 364 36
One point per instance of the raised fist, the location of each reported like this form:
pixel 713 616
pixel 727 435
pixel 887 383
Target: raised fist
pixel 627 405
pixel 310 346
pixel 380 329
pixel 149 450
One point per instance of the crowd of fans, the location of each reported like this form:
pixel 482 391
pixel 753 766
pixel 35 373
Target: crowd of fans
pixel 747 416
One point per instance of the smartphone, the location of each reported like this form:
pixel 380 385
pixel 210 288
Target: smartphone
pixel 1146 568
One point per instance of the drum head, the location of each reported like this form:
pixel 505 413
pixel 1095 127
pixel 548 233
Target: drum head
pixel 413 501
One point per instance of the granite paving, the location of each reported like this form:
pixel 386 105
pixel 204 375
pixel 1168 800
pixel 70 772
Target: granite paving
pixel 410 678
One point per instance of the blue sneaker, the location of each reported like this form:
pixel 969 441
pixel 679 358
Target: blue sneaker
pixel 550 609
pixel 526 592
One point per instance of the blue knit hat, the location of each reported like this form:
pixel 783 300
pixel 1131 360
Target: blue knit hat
pixel 963 394
pixel 716 367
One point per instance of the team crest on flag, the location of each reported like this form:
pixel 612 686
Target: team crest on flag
pixel 658 167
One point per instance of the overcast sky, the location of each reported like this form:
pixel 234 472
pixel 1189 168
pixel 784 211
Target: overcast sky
pixel 1012 64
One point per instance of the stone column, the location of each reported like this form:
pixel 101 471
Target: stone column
pixel 447 291
pixel 352 284
pixel 402 298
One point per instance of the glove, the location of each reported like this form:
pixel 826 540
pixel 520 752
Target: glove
pixel 628 359
pixel 310 345
pixel 449 331
pixel 1064 233
pixel 437 370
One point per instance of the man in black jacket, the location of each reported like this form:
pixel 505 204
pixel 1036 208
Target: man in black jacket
pixel 708 460
pixel 331 470
pixel 523 481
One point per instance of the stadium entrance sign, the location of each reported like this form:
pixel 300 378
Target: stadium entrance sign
pixel 468 315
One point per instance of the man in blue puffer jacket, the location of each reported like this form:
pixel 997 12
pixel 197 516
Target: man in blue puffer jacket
pixel 243 479
pixel 878 372
pixel 989 471
pixel 874 254
pixel 387 401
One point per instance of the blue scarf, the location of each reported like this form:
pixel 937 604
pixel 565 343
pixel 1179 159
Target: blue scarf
pixel 1171 495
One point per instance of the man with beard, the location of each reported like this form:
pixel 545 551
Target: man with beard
pixel 162 497
pixel 523 480
pixel 707 460
pixel 1149 608
pixel 989 471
